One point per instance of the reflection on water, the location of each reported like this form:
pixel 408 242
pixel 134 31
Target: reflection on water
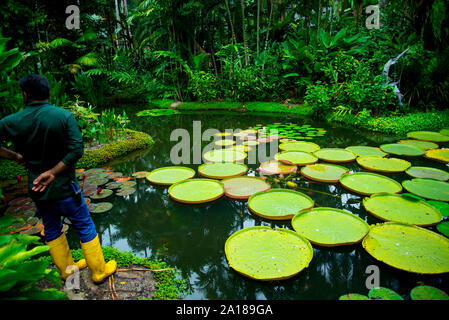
pixel 192 238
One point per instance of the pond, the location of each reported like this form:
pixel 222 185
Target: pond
pixel 150 224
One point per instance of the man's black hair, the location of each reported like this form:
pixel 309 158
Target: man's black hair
pixel 36 87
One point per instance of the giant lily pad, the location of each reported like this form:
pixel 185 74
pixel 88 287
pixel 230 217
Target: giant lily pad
pixel 299 146
pixel 329 173
pixel 408 248
pixel 428 293
pixel 438 154
pixel 428 136
pixel 402 149
pixel 279 204
pixel 443 207
pixel 366 183
pixel 296 158
pixel 224 155
pixel 244 187
pixel 276 167
pixel 389 165
pixel 428 188
pixel 217 170
pixel 362 151
pixel 169 175
pixel 195 191
pixel 400 208
pixel 353 296
pixel 445 131
pixel 426 172
pixel 225 143
pixel 335 155
pixel 443 228
pixel 104 193
pixel 263 253
pixel 330 227
pixel 380 293
pixel 425 145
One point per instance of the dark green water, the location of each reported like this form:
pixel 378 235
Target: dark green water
pixel 149 224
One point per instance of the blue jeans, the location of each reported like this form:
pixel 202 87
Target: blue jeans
pixel 51 212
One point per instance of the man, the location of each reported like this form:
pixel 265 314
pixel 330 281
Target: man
pixel 48 139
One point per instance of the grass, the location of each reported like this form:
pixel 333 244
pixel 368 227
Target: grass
pixel 249 107
pixel 398 125
pixel 169 286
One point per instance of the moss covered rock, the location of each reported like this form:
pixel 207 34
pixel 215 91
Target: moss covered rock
pixel 96 157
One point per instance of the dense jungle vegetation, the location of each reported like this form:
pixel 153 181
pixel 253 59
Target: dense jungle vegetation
pixel 320 52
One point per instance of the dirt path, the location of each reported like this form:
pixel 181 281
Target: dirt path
pixel 128 283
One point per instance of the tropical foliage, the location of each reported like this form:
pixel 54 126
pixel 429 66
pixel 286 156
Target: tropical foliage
pixel 323 52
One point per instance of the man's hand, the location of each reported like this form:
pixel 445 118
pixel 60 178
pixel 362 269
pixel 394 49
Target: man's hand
pixel 42 182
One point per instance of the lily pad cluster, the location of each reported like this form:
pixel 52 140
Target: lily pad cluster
pixel 420 292
pixel 290 130
pixel 102 183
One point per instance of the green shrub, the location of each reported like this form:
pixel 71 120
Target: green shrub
pixel 397 125
pixel 20 269
pixel 204 86
pixel 10 169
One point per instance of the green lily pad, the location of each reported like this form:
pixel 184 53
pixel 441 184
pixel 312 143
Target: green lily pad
pixel 366 151
pixel 224 155
pixel 353 296
pixel 103 194
pixel 335 155
pixel 296 158
pixel 366 183
pixel 443 207
pixel 244 187
pixel 128 184
pixel 263 253
pixel 96 181
pixel 443 228
pixel 445 131
pixel 276 167
pixel 330 227
pixel 380 293
pixel 299 146
pixel 329 173
pixel 402 149
pixel 114 185
pixel 217 170
pixel 140 174
pixel 428 293
pixel 425 145
pixel 428 188
pixel 100 207
pixel 409 248
pixel 388 165
pixel 279 204
pixel 428 136
pixel 127 191
pixel 250 143
pixel 426 172
pixel 400 208
pixel 225 143
pixel 438 154
pixel 169 175
pixel 195 191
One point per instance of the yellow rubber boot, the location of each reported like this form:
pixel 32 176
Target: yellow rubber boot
pixel 95 260
pixel 60 253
